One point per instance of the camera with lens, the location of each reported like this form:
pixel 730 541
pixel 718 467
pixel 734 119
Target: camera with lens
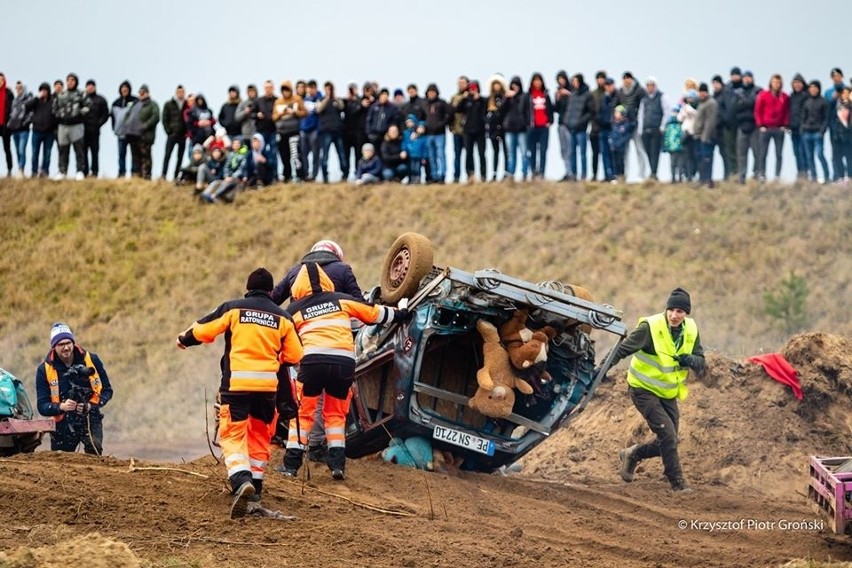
pixel 81 388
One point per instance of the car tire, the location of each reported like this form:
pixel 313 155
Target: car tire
pixel 408 260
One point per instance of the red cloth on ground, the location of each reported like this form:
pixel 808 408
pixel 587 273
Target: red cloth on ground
pixel 777 367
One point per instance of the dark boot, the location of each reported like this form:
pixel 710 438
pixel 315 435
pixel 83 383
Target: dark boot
pixel 317 453
pixel 292 462
pixel 242 497
pixel 628 462
pixel 336 460
pixel 679 485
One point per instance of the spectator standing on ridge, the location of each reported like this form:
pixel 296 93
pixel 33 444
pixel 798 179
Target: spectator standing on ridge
pixel 381 115
pixel 70 109
pixel 266 125
pixel 580 111
pixel 246 113
pixel 844 134
pixel 6 98
pixel 686 116
pixel 175 128
pixel 706 120
pixel 727 128
pixel 606 112
pixel 439 115
pixel 416 105
pixel 200 121
pixel 457 124
pixel 394 158
pixel 495 113
pixel 594 132
pixel 330 111
pixel 630 95
pixel 798 96
pixel 20 119
pixel 652 121
pixel 142 120
pixel 515 125
pixel 474 106
pixel 355 122
pixel 665 347
pixel 815 117
pixel 772 119
pixel 560 107
pixel 309 132
pixel 44 125
pixel 541 117
pixel 99 113
pixel 75 404
pixel 832 95
pixel 287 114
pixel 228 113
pixel 414 145
pixel 118 113
pixel 619 139
pixel 748 136
pixel 261 338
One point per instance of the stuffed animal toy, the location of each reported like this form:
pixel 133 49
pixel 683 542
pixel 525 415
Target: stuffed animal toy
pixel 526 347
pixel 414 452
pixel 497 379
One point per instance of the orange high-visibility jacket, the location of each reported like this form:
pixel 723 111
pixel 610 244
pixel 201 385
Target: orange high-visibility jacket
pixel 259 336
pixel 322 316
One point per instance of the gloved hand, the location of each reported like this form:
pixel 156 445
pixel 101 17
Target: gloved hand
pixel 402 315
pixel 595 371
pixel 685 360
pixel 83 407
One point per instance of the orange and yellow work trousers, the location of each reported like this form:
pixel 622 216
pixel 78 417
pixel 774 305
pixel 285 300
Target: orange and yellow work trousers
pixel 246 426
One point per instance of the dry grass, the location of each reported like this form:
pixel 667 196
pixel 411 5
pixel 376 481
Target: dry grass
pixel 128 264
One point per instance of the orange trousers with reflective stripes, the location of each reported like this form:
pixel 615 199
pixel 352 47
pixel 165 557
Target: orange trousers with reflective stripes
pixel 334 413
pixel 246 425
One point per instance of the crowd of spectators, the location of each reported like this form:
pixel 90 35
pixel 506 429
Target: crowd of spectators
pixel 497 130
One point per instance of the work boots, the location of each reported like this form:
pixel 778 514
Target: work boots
pixel 628 462
pixel 292 462
pixel 679 485
pixel 336 461
pixel 317 453
pixel 242 497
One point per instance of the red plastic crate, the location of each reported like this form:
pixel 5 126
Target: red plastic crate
pixel 831 491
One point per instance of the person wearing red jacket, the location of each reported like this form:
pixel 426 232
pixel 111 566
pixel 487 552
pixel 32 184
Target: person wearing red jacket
pixel 772 119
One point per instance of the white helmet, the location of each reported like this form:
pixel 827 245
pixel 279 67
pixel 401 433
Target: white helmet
pixel 330 246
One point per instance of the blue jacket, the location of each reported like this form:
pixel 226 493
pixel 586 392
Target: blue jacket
pixel 414 144
pixel 339 273
pixel 605 111
pixel 310 122
pixel 48 408
pixel 621 134
pixel 371 166
pixel 380 117
pixel 217 169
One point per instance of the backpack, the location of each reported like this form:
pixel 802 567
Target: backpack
pixel 8 394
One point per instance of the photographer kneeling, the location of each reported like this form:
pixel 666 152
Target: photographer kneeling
pixel 72 386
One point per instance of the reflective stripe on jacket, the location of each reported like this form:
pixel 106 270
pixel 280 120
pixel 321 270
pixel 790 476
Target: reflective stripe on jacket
pixel 661 374
pixel 53 381
pixel 259 336
pixel 322 316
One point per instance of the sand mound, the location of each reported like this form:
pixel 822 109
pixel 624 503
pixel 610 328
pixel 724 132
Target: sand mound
pixel 91 550
pixel 739 428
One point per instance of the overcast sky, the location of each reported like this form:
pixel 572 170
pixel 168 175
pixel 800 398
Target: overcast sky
pixel 210 45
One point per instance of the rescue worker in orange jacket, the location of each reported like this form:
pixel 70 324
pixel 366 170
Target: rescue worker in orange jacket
pixel 259 338
pixel 72 386
pixel 322 317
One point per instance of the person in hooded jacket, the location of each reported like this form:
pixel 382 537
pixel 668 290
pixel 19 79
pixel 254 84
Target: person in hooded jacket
pixel 227 114
pixel 748 137
pixel 330 111
pixel 578 114
pixel 541 117
pixel 798 96
pixel 261 159
pixel 495 113
pixel 771 118
pixel 439 115
pixel 141 127
pixel 246 113
pixel 201 121
pixel 475 108
pixel 560 107
pixel 394 158
pixel 20 119
pixel 6 98
pixel 815 118
pixel 606 113
pixel 322 320
pixel 630 95
pixel 652 119
pixel 70 108
pixel 175 128
pixel 287 113
pixel 118 113
pixel 726 127
pixel 44 124
pixel 516 124
pixel 97 116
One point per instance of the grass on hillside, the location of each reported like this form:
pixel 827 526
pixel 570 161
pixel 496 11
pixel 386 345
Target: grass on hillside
pixel 129 264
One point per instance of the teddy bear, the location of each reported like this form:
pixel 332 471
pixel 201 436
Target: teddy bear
pixel 497 379
pixel 525 346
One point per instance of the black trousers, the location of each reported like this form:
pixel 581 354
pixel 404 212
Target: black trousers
pixel 652 139
pixel 91 149
pixel 469 141
pixel 662 416
pixel 174 141
pixel 76 429
pixel 594 140
pixel 7 146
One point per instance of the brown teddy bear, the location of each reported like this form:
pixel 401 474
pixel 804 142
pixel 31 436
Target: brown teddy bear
pixel 525 346
pixel 497 379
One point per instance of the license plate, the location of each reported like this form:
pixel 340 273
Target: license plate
pixel 463 440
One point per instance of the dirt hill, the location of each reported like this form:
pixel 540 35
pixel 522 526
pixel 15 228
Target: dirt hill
pixel 128 265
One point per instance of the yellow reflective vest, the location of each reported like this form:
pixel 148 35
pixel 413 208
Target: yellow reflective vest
pixel 661 374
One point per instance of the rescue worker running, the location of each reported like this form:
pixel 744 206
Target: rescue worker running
pixel 260 337
pixel 664 347
pixel 322 317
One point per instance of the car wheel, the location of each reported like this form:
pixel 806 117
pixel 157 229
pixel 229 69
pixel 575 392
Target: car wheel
pixel 408 260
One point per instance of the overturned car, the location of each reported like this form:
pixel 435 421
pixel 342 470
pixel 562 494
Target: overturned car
pixel 418 378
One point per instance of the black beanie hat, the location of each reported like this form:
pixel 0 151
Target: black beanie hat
pixel 679 298
pixel 260 279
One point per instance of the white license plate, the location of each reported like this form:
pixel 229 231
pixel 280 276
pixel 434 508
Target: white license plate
pixel 463 440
